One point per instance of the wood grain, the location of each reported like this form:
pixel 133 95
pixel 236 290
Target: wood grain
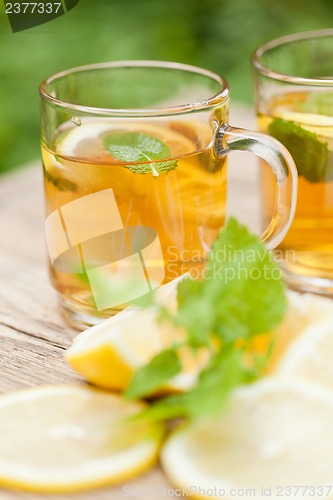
pixel 33 335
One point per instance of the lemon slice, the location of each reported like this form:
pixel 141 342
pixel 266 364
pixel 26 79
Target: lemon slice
pixel 81 162
pixel 83 140
pixel 273 435
pixel 303 310
pixel 310 355
pixel 71 438
pixel 108 353
pixel 87 131
pixel 321 125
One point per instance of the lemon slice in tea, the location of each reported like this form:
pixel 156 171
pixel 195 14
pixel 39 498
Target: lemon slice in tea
pixel 82 162
pixel 321 125
pixel 87 140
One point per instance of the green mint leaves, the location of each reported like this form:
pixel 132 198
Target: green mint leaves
pixel 146 151
pixel 312 157
pixel 151 377
pixel 241 296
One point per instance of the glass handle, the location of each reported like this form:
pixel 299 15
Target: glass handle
pixel 230 139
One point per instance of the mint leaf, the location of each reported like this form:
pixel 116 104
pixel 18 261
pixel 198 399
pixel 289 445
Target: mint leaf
pixel 225 372
pixel 241 280
pixel 245 275
pixel 312 157
pixel 195 314
pixel 152 376
pixel 138 148
pixel 241 296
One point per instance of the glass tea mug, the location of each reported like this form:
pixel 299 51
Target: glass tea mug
pixel 135 172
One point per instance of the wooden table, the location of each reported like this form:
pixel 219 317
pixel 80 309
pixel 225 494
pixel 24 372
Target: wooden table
pixel 33 335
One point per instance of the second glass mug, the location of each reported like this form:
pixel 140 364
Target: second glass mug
pixel 134 159
pixel 294 98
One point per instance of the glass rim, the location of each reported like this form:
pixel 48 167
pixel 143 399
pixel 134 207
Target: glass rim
pixel 210 102
pixel 284 40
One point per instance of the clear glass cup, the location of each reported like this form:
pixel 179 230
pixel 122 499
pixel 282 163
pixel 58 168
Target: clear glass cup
pixel 134 159
pixel 294 101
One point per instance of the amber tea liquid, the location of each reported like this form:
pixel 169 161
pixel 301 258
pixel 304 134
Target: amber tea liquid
pixel 182 210
pixel 308 246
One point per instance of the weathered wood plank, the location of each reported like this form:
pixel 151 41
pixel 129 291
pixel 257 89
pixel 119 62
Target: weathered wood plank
pixel 28 303
pixel 27 360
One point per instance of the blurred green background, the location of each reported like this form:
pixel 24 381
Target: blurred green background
pixel 216 34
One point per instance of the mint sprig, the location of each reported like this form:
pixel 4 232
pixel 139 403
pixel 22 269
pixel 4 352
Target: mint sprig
pixel 141 153
pixel 242 296
pixel 161 368
pixel 313 159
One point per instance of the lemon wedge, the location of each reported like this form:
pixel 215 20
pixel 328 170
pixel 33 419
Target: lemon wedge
pixel 273 435
pixel 108 353
pixel 71 438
